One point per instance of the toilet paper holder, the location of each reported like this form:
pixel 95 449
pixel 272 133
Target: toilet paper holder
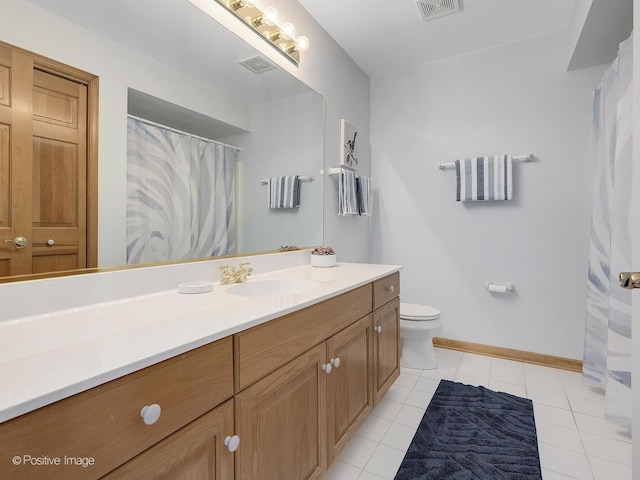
pixel 498 288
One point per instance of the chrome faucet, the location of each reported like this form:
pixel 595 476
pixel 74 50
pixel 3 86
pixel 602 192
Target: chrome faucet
pixel 235 276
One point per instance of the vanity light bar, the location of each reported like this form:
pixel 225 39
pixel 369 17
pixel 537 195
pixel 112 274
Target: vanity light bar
pixel 280 35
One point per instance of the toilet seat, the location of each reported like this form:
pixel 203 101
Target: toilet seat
pixel 418 313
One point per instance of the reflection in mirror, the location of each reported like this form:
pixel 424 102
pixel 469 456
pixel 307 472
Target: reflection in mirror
pixel 181 69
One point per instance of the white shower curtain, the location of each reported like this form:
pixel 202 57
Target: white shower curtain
pixel 180 195
pixel 607 349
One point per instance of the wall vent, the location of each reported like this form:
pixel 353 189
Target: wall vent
pixel 431 9
pixel 257 64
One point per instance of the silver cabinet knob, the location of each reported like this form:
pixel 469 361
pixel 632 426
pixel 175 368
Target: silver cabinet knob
pixel 327 368
pixel 50 242
pixel 391 288
pixel 378 329
pixel 335 362
pixel 18 242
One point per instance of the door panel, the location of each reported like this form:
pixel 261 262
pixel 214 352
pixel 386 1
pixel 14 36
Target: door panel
pixel 386 347
pixel 280 420
pixel 54 260
pixel 16 78
pixel 55 182
pixel 54 102
pixel 349 385
pixel 59 174
pixel 4 176
pixel 5 76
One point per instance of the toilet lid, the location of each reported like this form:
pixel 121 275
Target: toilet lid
pixel 413 311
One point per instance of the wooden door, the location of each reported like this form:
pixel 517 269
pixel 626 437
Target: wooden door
pixel 281 422
pixel 16 79
pixel 386 350
pixel 196 451
pixel 349 385
pixel 43 166
pixel 59 174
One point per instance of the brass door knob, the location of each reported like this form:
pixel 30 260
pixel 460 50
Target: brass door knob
pixel 18 242
pixel 629 280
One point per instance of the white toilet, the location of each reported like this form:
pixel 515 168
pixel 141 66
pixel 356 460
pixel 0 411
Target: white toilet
pixel 418 325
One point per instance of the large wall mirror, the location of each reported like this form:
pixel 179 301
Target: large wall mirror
pixel 168 64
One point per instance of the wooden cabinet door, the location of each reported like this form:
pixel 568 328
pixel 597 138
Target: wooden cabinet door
pixel 349 385
pixel 197 451
pixel 281 422
pixel 386 350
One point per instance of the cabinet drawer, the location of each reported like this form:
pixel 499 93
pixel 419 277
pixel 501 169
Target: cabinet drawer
pixel 104 423
pixel 386 289
pixel 196 451
pixel 264 348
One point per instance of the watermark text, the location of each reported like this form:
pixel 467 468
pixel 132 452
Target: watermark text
pixel 46 460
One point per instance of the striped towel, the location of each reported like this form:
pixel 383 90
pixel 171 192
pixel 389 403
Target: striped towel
pixel 363 185
pixel 347 193
pixel 484 178
pixel 284 192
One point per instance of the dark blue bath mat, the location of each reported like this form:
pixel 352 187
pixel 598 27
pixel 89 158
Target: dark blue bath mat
pixel 472 432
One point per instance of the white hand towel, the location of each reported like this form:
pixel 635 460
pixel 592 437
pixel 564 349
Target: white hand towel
pixel 484 178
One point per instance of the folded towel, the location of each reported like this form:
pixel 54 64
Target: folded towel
pixel 363 185
pixel 347 193
pixel 284 192
pixel 484 178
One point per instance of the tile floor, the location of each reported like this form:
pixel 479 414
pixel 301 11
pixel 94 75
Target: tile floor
pixel 574 440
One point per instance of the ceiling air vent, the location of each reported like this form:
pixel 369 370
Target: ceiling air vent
pixel 257 64
pixel 430 9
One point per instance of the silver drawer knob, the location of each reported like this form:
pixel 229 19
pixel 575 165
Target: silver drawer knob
pixel 391 288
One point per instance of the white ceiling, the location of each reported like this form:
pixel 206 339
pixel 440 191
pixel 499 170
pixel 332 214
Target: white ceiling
pixel 388 35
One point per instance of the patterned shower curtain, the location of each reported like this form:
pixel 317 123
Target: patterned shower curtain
pixel 180 195
pixel 607 349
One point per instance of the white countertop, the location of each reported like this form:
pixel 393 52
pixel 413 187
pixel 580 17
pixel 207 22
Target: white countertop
pixel 45 358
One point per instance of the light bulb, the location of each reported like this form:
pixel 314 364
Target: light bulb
pixel 302 44
pixel 288 30
pixel 270 16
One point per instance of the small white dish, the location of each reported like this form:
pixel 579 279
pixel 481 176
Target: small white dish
pixel 195 287
pixel 323 261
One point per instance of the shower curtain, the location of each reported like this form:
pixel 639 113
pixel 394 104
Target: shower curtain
pixel 607 349
pixel 180 195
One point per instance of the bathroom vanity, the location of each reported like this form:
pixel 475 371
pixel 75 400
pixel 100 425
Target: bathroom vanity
pixel 275 391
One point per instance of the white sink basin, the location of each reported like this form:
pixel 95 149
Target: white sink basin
pixel 272 288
